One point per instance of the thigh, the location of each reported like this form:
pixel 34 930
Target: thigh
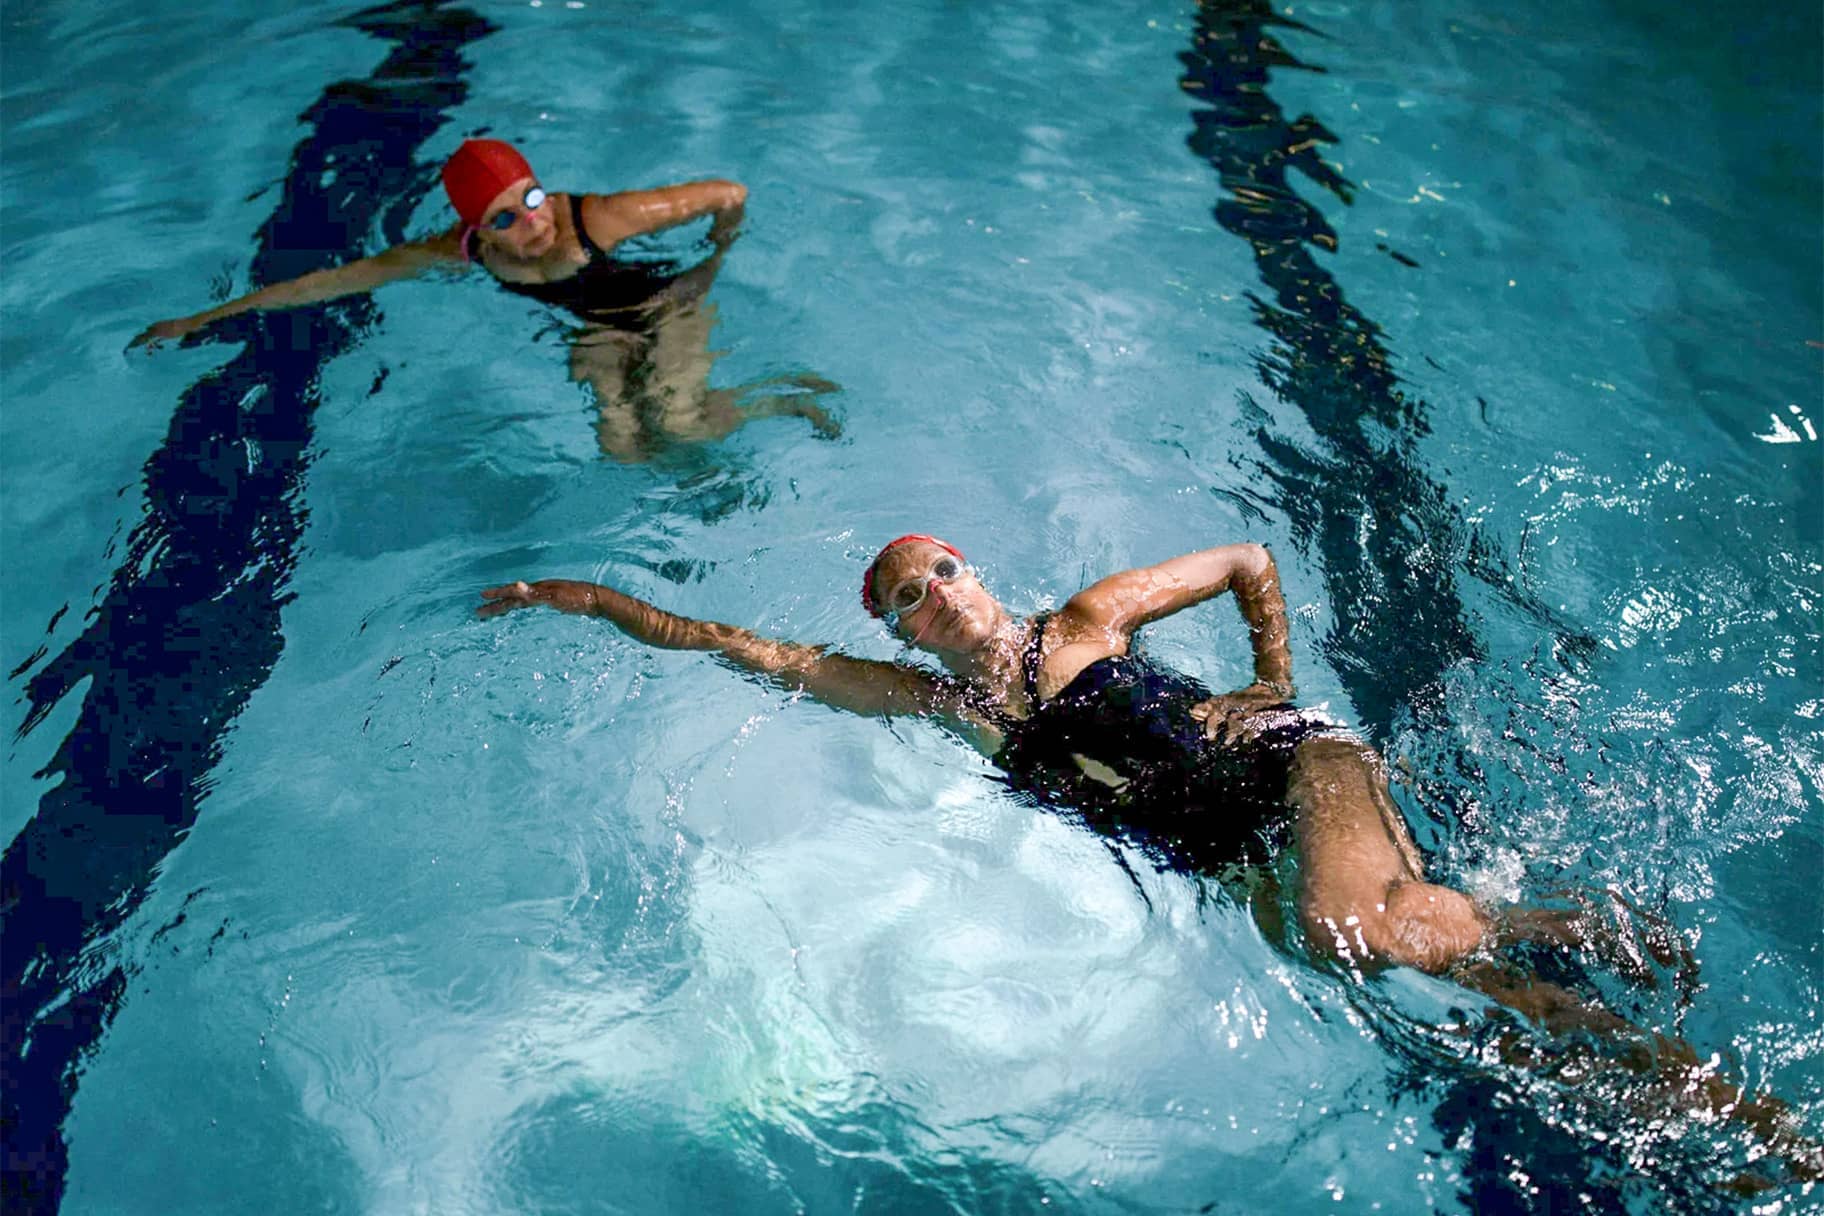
pixel 1348 851
pixel 603 358
pixel 680 356
pixel 676 381
pixel 1362 897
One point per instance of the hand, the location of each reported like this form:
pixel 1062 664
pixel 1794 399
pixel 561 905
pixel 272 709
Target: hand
pixel 154 335
pixel 727 227
pixel 506 598
pixel 1225 717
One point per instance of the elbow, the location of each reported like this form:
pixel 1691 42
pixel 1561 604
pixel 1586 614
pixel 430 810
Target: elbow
pixel 1257 560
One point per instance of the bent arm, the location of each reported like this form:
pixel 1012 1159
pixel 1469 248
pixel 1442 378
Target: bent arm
pixel 365 274
pixel 1123 602
pixel 860 686
pixel 612 218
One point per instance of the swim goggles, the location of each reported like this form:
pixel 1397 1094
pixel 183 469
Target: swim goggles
pixel 535 198
pixel 910 594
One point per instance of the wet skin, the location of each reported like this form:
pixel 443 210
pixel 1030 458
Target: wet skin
pixel 1363 900
pixel 651 387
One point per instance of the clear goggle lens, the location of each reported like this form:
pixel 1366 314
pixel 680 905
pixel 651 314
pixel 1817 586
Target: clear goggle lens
pixel 535 198
pixel 910 594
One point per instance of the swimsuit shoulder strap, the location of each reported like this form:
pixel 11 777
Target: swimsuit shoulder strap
pixel 1029 662
pixel 596 252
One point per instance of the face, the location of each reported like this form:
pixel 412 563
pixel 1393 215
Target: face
pixel 957 615
pixel 533 230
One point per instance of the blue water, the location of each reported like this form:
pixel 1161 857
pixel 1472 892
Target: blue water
pixel 357 904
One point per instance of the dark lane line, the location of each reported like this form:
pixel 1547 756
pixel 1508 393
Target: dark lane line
pixel 1387 533
pixel 190 627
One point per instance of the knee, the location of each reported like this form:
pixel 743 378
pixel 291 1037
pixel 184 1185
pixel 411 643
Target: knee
pixel 1413 924
pixel 1430 927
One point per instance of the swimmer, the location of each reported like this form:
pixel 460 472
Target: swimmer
pixel 643 340
pixel 1066 709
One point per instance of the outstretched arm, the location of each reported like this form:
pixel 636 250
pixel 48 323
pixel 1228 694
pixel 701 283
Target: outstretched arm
pixel 858 685
pixel 612 218
pixel 399 262
pixel 1122 603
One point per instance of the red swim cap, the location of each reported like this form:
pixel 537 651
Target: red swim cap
pixel 481 169
pixel 867 580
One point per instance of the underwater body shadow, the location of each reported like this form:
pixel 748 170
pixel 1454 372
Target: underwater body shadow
pixel 1389 537
pixel 190 625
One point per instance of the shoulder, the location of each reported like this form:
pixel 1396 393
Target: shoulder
pixel 1094 611
pixel 1076 635
pixel 607 219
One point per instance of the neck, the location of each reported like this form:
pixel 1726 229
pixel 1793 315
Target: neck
pixel 997 662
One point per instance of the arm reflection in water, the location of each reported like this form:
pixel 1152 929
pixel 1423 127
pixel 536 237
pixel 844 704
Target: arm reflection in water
pixel 642 339
pixel 1065 707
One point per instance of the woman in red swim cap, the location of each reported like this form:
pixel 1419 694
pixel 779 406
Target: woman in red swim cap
pixel 643 323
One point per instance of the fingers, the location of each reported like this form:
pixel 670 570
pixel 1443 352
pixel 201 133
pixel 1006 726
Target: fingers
pixel 1232 727
pixel 157 334
pixel 1217 715
pixel 1219 726
pixel 504 598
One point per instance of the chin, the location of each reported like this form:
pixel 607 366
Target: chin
pixel 967 636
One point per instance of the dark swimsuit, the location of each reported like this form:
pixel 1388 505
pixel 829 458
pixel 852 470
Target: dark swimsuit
pixel 605 290
pixel 1153 774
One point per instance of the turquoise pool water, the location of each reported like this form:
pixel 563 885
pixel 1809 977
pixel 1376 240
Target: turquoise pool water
pixel 322 895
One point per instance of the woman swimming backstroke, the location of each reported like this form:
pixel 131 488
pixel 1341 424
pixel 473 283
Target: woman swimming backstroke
pixel 643 340
pixel 1065 708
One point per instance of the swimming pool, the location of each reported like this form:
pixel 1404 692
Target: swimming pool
pixel 368 906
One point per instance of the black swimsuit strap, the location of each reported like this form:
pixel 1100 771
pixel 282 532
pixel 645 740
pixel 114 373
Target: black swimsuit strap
pixel 596 252
pixel 1029 662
